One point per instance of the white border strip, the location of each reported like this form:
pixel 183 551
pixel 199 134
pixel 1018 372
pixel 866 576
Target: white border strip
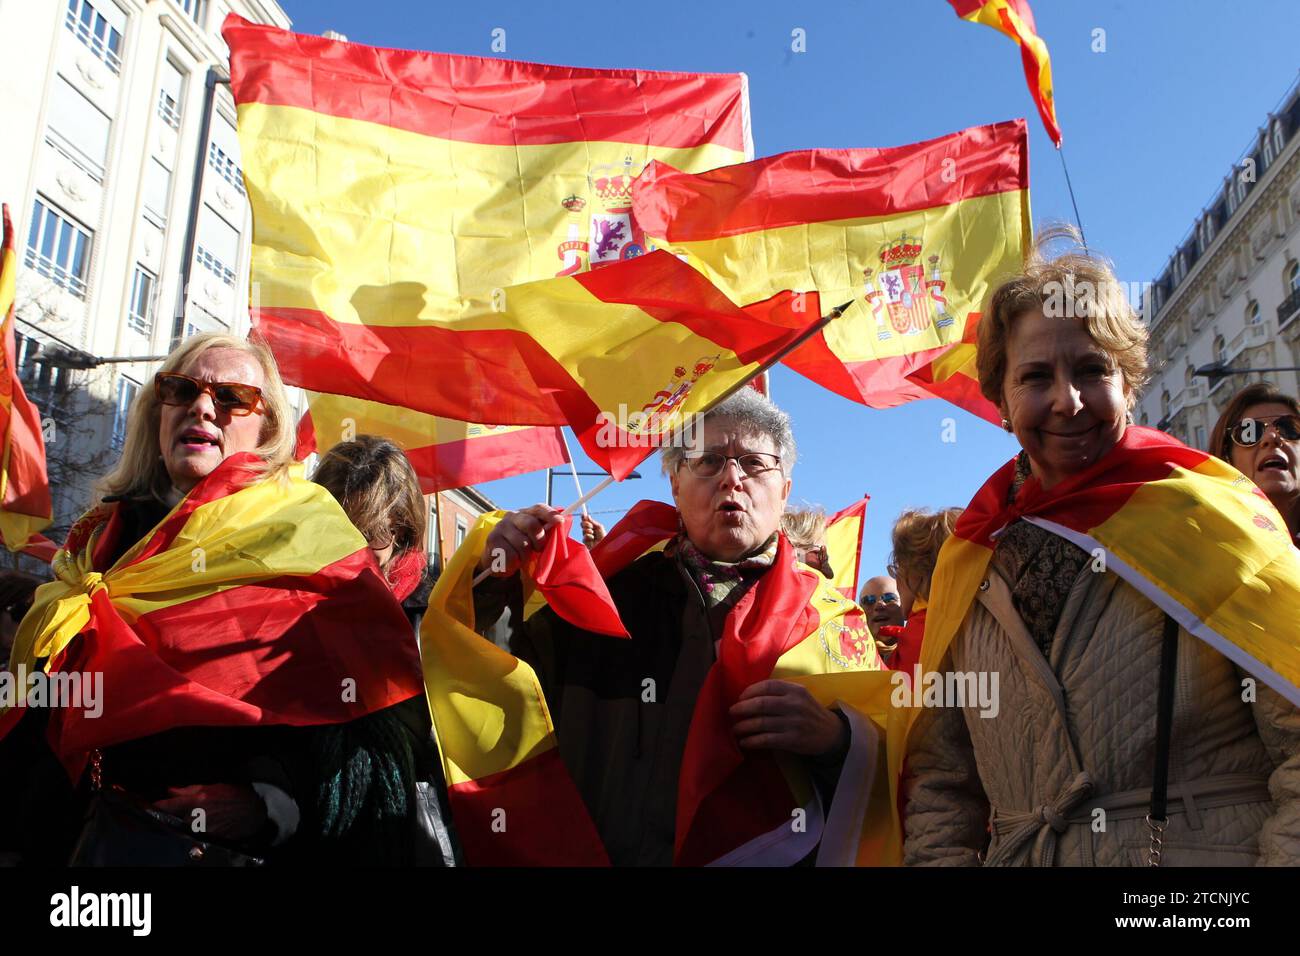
pixel 1189 621
pixel 783 846
pixel 843 832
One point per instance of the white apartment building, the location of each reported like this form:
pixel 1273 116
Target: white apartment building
pixel 121 170
pixel 1230 293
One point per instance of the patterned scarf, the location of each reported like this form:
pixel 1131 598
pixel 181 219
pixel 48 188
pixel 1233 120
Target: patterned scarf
pixel 723 583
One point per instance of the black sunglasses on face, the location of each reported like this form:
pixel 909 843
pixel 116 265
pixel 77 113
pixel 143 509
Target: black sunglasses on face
pixel 173 388
pixel 1250 431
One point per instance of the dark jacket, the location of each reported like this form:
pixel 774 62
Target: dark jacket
pixel 622 708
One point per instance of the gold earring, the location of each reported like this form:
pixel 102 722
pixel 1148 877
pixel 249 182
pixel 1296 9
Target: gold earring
pixel 1006 425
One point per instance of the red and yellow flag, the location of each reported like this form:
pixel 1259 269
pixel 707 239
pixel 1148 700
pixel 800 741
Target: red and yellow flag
pixel 211 618
pixel 444 453
pixel 844 546
pixel 1016 20
pixel 25 506
pixel 915 235
pixel 622 355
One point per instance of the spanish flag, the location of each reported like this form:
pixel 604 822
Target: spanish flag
pixel 916 235
pixel 844 546
pixel 25 506
pixel 252 602
pixel 622 355
pixel 444 453
pixel 1186 529
pixel 1016 20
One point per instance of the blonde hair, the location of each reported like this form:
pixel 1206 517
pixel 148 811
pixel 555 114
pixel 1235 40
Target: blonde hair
pixel 377 487
pixel 1076 284
pixel 141 472
pixel 917 537
pixel 804 528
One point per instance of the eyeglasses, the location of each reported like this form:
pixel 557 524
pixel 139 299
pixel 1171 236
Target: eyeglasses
pixel 1250 431
pixel 172 388
pixel 889 597
pixel 707 464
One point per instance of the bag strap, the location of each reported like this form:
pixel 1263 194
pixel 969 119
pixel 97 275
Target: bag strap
pixel 1158 818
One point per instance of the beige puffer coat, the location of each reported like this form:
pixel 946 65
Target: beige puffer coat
pixel 1076 735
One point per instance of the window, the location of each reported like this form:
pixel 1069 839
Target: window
pixel 41 381
pixel 1293 277
pixel 140 310
pixel 1164 403
pixel 58 249
pixel 1252 314
pixel 225 167
pixel 218 247
pixel 197 10
pixel 127 390
pixel 1219 348
pixel 462 530
pixel 77 128
pixel 157 191
pixel 1200 436
pixel 99 27
pixel 1278 139
pixel 170 92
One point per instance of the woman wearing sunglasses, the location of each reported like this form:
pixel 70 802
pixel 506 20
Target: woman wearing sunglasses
pixel 252 656
pixel 1259 435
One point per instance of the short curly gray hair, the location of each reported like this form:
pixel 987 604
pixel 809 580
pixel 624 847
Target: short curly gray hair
pixel 755 414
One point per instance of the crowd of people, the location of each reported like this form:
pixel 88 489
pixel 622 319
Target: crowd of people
pixel 1088 683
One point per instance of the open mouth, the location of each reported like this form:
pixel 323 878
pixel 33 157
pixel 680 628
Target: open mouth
pixel 1274 463
pixel 197 438
pixel 731 506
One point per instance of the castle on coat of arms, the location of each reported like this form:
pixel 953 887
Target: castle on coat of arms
pixel 902 300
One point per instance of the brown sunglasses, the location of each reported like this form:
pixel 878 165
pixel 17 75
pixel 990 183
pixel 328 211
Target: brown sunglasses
pixel 173 388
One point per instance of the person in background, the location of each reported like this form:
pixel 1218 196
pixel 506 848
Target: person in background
pixel 879 598
pixel 16 590
pixel 917 537
pixel 1259 435
pixel 592 531
pixel 806 529
pixel 374 482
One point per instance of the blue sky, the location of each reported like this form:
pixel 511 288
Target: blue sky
pixel 1150 125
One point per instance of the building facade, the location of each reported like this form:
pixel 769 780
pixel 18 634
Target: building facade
pixel 1230 292
pixel 121 170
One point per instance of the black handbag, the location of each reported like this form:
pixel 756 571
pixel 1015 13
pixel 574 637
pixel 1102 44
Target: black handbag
pixel 122 830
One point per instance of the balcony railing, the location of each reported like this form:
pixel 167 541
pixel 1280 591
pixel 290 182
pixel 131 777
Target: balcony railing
pixel 1289 309
pixel 56 273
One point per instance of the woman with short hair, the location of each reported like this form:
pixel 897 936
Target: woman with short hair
pixel 1259 435
pixel 1092 670
pixel 917 537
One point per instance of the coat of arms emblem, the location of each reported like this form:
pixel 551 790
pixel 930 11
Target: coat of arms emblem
pixel 901 295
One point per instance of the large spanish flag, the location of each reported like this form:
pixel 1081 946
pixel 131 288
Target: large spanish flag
pixel 1183 527
pixel 25 506
pixel 444 453
pixel 844 546
pixel 916 235
pixel 623 355
pixel 1016 20
pixel 252 602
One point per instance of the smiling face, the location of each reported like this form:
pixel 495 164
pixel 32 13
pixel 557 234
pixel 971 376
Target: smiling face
pixel 1272 462
pixel 731 514
pixel 197 437
pixel 1064 395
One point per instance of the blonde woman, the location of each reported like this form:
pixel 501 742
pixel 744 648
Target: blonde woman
pixel 917 537
pixel 249 649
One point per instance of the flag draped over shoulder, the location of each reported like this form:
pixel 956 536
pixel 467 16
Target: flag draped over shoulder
pixel 916 234
pixel 844 546
pixel 499 747
pixel 25 506
pixel 1186 529
pixel 1016 20
pixel 252 602
pixel 445 453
